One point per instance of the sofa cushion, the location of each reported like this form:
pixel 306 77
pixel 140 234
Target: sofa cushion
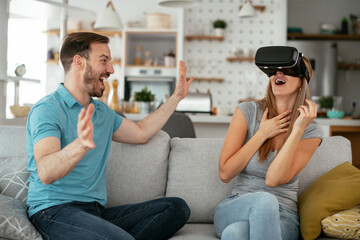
pixel 194 176
pixel 137 172
pixel 336 190
pixel 14 177
pixel 196 231
pixel 14 223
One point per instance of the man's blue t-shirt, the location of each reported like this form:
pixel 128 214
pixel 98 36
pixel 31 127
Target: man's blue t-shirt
pixel 56 115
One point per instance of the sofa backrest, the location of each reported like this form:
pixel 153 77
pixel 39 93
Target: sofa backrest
pixel 12 141
pixel 137 173
pixel 194 176
pixel 331 152
pixel 194 171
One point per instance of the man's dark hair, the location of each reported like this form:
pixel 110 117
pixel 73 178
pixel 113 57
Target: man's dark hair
pixel 78 43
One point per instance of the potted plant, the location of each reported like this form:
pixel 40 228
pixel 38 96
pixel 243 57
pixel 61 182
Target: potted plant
pixel 219 26
pixel 326 103
pixel 146 98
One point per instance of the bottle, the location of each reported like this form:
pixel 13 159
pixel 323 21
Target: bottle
pixel 344 26
pixel 114 105
pixel 138 61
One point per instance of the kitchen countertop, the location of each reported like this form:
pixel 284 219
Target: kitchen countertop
pixel 204 118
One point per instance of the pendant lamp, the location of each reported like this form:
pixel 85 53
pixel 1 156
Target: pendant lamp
pixel 108 19
pixel 247 10
pixel 178 3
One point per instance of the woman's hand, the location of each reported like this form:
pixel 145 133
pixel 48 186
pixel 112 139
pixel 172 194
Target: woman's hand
pixel 307 115
pixel 274 126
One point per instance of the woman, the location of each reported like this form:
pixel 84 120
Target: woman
pixel 268 143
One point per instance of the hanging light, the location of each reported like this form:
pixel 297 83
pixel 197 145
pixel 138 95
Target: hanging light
pixel 178 3
pixel 247 10
pixel 109 18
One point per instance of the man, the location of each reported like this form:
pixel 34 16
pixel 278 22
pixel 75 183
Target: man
pixel 68 141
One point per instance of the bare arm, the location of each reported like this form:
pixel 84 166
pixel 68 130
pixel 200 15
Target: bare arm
pixel 295 153
pixel 144 130
pixel 234 154
pixel 54 163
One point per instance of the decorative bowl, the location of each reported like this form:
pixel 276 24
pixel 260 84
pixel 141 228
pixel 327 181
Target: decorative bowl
pixel 334 114
pixel 20 111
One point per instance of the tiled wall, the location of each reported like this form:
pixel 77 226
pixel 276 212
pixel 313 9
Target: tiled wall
pixel 207 59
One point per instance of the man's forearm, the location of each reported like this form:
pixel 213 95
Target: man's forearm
pixel 56 165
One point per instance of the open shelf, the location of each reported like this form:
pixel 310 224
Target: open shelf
pixel 201 37
pixel 318 36
pixel 240 59
pixel 208 79
pixel 105 33
pixel 349 66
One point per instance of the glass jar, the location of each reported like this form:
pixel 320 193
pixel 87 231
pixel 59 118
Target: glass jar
pixel 148 60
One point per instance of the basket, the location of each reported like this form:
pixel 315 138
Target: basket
pixel 158 20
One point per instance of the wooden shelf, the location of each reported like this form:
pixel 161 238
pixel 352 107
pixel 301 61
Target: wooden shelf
pixel 239 59
pixel 143 66
pixel 106 33
pixel 349 66
pixel 116 61
pixel 318 36
pixel 208 79
pixel 194 37
pixel 53 61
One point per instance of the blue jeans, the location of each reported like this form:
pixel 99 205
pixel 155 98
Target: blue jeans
pixel 155 219
pixel 255 216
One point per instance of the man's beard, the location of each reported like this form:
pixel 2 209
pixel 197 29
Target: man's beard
pixel 90 81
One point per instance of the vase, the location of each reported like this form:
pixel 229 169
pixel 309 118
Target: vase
pixel 219 32
pixel 145 107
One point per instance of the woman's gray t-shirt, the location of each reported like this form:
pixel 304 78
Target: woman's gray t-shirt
pixel 252 178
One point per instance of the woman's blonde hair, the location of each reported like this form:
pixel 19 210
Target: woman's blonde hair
pixel 269 101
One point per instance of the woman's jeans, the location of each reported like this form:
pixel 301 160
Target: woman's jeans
pixel 255 216
pixel 156 219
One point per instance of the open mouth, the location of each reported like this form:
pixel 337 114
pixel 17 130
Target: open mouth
pixel 279 81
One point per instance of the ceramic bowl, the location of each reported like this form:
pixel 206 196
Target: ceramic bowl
pixel 334 114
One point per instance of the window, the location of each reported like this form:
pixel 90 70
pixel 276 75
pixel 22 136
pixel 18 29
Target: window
pixel 27 44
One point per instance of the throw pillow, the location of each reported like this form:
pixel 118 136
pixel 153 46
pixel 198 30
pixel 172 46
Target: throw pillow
pixel 344 224
pixel 14 222
pixel 334 191
pixel 14 177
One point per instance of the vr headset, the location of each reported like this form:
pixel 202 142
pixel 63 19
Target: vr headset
pixel 281 58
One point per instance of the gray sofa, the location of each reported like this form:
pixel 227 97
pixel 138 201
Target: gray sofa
pixel 182 167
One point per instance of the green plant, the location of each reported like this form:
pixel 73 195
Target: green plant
pixel 219 24
pixel 326 102
pixel 144 95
